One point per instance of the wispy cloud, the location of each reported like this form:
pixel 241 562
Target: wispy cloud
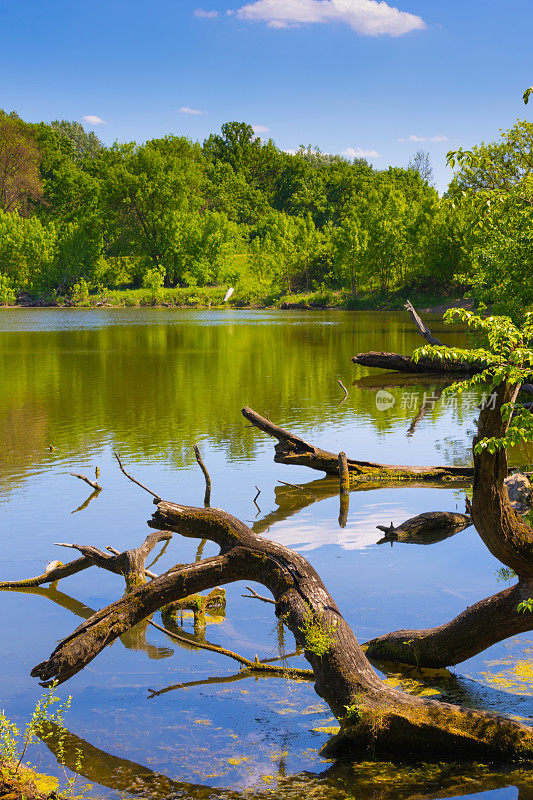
pixel 200 12
pixel 194 111
pixel 368 17
pixel 92 119
pixel 440 137
pixel 260 128
pixel 358 152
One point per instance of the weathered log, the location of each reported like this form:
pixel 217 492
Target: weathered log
pixel 371 713
pixel 292 449
pixel 427 528
pixel 399 363
pixel 421 327
pixel 480 626
pixel 507 537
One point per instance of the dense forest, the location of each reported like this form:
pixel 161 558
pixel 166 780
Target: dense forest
pixel 177 221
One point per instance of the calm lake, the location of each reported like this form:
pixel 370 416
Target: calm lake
pixel 152 383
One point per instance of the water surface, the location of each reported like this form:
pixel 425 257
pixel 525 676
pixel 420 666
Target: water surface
pixel 152 383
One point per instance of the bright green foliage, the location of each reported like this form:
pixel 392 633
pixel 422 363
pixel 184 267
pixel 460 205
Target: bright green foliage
pixel 319 636
pixel 507 351
pixel 526 605
pixel 239 211
pixel 14 743
pixel 153 279
pixel 27 252
pixel 494 188
pixel 7 294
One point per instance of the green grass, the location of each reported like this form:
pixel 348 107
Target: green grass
pixel 251 297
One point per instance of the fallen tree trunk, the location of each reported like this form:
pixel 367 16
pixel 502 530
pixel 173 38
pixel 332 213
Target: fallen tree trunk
pixel 371 713
pixel 507 537
pixel 399 363
pixel 480 626
pixel 292 449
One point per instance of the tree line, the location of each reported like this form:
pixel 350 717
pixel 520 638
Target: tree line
pixel 238 211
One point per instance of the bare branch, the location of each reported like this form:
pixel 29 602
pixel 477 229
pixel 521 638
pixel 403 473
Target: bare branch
pixel 252 666
pixel 156 497
pixel 207 496
pixel 94 484
pixel 253 594
pixel 421 327
pixel 341 384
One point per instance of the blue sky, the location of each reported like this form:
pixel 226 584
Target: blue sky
pixel 349 76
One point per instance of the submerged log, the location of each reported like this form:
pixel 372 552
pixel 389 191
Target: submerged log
pixel 291 449
pixel 427 528
pixel 371 713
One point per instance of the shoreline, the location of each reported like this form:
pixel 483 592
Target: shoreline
pixel 305 302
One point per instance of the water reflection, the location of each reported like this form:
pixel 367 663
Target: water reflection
pixel 364 780
pixel 152 384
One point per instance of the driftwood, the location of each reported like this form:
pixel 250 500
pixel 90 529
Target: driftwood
pixel 507 537
pixel 427 528
pixel 371 713
pixel 94 484
pixel 421 327
pixel 292 449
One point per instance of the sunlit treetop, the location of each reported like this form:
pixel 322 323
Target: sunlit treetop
pixel 507 351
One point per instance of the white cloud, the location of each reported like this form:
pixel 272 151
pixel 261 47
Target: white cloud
pixel 357 152
pixel 200 12
pixel 369 17
pixel 290 152
pixel 92 119
pixel 194 111
pixel 413 138
pixel 260 128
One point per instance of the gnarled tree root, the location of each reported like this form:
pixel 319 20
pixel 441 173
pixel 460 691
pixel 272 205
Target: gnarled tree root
pixel 372 714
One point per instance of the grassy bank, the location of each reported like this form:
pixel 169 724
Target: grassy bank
pixel 213 296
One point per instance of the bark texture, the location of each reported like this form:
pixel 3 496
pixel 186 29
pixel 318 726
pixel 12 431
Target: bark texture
pixel 372 714
pixel 507 537
pixel 291 449
pixel 480 626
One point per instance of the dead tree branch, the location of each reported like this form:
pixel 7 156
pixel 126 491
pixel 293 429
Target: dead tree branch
pixel 251 666
pixel 94 484
pixel 291 449
pixel 207 496
pixel 384 718
pixel 421 327
pixel 134 480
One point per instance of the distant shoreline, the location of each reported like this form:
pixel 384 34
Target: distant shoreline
pixel 211 298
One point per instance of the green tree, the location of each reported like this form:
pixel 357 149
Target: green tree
pixel 20 179
pixel 350 242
